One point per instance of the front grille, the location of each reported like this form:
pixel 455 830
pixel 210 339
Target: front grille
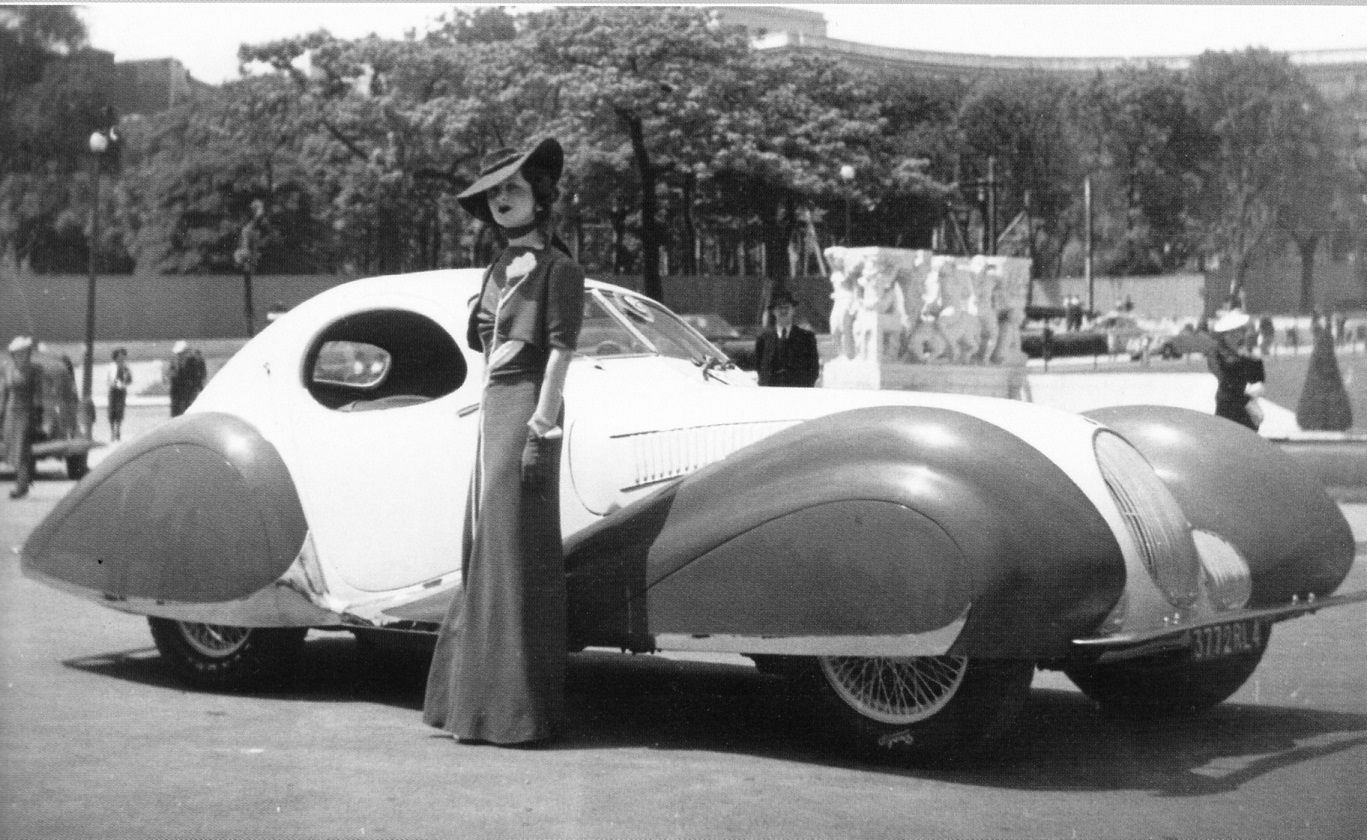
pixel 1153 518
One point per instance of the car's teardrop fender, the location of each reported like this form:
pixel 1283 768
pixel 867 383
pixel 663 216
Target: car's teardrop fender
pixel 878 521
pixel 200 510
pixel 1232 482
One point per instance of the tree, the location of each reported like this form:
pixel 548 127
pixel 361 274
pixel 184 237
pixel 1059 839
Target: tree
pixel 1019 122
pixel 1319 183
pixel 52 96
pixel 1262 115
pixel 639 76
pixel 1141 146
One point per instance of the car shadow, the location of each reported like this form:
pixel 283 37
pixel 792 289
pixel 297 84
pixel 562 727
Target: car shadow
pixel 1062 741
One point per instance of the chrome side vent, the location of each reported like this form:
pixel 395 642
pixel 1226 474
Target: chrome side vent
pixel 1153 518
pixel 669 453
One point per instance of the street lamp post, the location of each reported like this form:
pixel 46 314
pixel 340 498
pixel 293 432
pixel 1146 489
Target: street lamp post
pixel 847 175
pixel 99 144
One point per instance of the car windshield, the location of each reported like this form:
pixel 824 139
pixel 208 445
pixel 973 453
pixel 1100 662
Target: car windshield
pixel 603 334
pixel 653 329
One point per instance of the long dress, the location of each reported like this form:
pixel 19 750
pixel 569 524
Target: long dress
pixel 498 670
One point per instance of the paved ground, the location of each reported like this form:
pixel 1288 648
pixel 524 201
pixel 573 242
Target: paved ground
pixel 97 741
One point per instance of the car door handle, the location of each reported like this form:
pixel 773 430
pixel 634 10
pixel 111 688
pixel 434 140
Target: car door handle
pixel 468 410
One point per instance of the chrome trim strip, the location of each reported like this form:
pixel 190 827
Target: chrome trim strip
pixel 933 643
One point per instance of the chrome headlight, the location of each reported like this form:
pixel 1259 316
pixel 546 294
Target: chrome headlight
pixel 1227 574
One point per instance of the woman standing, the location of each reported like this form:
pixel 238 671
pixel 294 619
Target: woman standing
pixel 120 377
pixel 1239 376
pixel 498 671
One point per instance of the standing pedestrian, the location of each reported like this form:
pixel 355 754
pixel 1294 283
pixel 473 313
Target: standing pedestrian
pixel 185 375
pixel 786 354
pixel 19 384
pixel 498 671
pixel 1239 375
pixel 120 377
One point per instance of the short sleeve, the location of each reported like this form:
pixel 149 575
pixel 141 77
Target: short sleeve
pixel 564 304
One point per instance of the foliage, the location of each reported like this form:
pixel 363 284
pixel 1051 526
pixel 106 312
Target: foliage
pixel 682 139
pixel 1323 405
pixel 1266 129
pixel 1139 141
pixel 1019 122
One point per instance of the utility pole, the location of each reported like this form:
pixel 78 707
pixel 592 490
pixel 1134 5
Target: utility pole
pixel 991 205
pixel 1087 237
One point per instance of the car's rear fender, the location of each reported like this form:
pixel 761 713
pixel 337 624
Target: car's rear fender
pixel 200 511
pixel 883 522
pixel 1231 482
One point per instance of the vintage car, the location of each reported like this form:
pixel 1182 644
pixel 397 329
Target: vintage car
pixel 905 559
pixel 59 430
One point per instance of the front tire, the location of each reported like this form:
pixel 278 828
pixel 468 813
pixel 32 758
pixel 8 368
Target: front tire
pixel 919 707
pixel 1169 684
pixel 220 658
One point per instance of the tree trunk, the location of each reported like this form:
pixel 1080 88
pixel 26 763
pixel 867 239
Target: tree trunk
pixel 650 232
pixel 689 264
pixel 1306 248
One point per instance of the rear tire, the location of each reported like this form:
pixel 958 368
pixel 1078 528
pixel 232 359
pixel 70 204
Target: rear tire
pixel 927 707
pixel 220 658
pixel 1170 684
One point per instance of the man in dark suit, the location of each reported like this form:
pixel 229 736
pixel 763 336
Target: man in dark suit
pixel 785 354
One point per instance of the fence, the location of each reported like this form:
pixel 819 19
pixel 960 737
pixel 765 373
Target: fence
pixel 158 307
pixel 144 307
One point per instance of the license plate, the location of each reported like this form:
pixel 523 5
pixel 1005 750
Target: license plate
pixel 1217 641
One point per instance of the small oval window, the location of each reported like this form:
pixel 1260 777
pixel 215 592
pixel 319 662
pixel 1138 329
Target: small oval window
pixel 353 363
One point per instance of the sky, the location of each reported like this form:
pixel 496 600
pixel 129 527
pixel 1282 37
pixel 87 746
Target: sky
pixel 205 35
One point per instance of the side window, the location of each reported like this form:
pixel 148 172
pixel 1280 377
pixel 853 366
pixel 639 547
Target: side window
pixel 382 359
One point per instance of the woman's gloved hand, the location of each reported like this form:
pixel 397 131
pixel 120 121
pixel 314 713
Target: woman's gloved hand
pixel 540 456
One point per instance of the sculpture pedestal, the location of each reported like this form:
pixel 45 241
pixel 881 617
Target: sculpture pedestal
pixel 1005 381
pixel 856 374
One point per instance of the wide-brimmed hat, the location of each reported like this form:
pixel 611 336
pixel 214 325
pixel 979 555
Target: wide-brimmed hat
pixel 20 343
pixel 499 166
pixel 1234 319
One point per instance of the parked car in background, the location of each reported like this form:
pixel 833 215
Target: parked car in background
pixel 1183 342
pixel 59 430
pixel 1060 342
pixel 905 560
pixel 737 345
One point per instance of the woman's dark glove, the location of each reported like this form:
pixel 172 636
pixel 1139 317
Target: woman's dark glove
pixel 540 456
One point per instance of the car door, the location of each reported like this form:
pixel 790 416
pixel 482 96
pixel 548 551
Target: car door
pixel 383 426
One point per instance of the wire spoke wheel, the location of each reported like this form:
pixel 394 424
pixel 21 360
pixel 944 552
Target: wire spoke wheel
pixel 220 657
pixel 926 708
pixel 212 639
pixel 895 691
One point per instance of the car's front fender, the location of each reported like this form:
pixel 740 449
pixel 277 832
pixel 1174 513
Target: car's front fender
pixel 1230 481
pixel 877 522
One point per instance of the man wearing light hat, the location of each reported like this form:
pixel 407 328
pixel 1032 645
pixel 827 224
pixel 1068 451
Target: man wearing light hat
pixel 19 384
pixel 185 374
pixel 1239 375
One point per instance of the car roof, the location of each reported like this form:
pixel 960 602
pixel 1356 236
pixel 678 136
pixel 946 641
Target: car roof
pixel 439 282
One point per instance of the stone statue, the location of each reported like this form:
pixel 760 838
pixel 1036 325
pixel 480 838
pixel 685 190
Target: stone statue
pixel 896 304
